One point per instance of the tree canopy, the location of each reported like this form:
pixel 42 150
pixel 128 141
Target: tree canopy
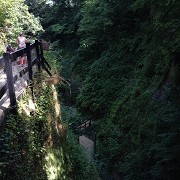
pixel 15 18
pixel 124 56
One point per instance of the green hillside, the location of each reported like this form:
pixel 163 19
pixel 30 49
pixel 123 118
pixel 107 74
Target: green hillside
pixel 122 59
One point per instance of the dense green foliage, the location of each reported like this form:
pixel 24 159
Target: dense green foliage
pixel 37 145
pixel 125 55
pixel 15 18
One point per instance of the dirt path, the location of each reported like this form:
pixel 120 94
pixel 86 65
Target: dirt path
pixel 88 146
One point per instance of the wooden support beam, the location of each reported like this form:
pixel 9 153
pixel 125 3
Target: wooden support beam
pixel 38 54
pixel 10 82
pixel 28 49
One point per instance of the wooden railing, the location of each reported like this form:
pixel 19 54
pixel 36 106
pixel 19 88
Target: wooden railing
pixel 34 54
pixel 81 127
pixel 84 128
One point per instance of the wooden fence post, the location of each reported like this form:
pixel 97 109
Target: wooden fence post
pixel 42 60
pixel 29 61
pixel 30 68
pixel 10 83
pixel 38 54
pixel 42 55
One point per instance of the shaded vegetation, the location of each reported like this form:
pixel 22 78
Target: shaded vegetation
pixel 122 58
pixel 125 56
pixel 35 144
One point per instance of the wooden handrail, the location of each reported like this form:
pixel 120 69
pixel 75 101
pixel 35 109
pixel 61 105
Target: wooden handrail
pixel 80 126
pixel 34 54
pixel 9 74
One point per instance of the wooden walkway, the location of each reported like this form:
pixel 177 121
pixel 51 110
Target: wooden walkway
pixel 14 81
pixel 88 146
pixel 20 85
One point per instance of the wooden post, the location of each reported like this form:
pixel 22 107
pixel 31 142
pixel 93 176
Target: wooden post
pixel 43 60
pixel 38 54
pixel 10 83
pixel 41 52
pixel 29 61
pixel 30 68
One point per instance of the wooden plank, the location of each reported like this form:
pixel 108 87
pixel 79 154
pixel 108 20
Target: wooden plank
pixel 42 64
pixel 9 75
pixel 20 78
pixel 45 62
pixel 37 52
pixel 30 68
pixel 1 62
pixel 33 45
pixel 29 61
pixel 14 55
pixel 3 90
pixel 20 87
pixel 14 82
pixel 88 146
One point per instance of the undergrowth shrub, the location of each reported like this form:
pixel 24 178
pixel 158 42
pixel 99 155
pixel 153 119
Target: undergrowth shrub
pixel 34 143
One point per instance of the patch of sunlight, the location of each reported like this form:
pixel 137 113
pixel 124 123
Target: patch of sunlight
pixel 85 45
pixel 55 165
pixel 27 108
pixel 3 78
pixel 90 1
pixel 56 102
pixel 50 2
pixel 31 105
